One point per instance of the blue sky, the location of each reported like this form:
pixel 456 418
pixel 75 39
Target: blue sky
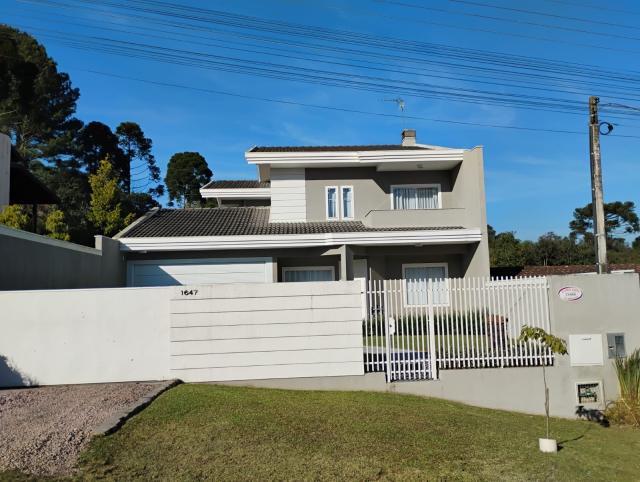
pixel 534 180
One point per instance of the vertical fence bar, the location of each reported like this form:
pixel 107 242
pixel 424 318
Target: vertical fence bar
pixel 495 343
pixel 501 318
pixel 511 306
pixel 431 330
pixel 449 335
pixel 518 304
pixel 421 343
pixel 386 330
pixel 475 330
pixel 530 320
pixel 367 319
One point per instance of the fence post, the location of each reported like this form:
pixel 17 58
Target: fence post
pixel 386 330
pixel 433 368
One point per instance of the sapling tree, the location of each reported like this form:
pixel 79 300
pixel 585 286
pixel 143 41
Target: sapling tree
pixel 547 342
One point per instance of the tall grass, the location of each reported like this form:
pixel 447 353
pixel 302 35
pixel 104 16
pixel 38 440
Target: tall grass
pixel 626 409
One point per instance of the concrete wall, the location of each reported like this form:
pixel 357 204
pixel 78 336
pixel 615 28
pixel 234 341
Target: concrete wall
pixel 610 304
pixel 29 261
pixel 84 336
pixel 243 332
pixel 468 191
pixel 288 201
pixel 196 333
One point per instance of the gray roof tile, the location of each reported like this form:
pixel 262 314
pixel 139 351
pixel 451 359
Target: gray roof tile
pixel 236 184
pixel 240 221
pixel 371 147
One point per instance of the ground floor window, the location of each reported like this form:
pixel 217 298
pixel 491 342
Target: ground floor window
pixel 308 273
pixel 417 276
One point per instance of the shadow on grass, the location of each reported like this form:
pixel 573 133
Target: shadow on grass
pixel 562 443
pixel 592 415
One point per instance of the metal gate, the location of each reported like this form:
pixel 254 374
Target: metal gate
pixel 414 327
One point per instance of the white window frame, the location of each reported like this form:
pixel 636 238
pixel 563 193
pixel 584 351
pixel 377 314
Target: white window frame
pixel 424 265
pixel 308 268
pixel 393 186
pixel 353 202
pixel 326 203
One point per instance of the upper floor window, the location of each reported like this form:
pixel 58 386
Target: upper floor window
pixel 332 202
pixel 415 196
pixel 347 202
pixel 339 202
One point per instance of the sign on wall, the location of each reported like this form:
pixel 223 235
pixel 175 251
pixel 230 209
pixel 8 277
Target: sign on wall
pixel 570 293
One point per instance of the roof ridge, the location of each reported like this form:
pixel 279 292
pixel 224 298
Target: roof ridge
pixel 229 208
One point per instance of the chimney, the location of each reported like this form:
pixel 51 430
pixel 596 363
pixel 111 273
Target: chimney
pixel 409 137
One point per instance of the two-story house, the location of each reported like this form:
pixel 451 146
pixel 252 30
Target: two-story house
pixel 318 213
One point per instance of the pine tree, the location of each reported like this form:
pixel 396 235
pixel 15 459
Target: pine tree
pixel 105 210
pixel 56 225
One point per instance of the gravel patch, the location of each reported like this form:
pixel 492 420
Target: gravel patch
pixel 44 429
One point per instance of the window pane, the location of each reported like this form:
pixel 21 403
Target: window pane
pixel 308 275
pixel 331 203
pixel 347 202
pixel 415 198
pixel 417 284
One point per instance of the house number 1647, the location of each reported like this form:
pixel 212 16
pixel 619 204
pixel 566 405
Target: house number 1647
pixel 188 292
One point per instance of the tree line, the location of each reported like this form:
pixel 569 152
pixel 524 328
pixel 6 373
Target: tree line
pixel 103 177
pixel 551 249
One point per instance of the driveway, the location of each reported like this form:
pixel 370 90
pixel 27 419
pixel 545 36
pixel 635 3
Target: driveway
pixel 44 429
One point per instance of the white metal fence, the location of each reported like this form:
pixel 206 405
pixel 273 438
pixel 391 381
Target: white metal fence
pixel 415 327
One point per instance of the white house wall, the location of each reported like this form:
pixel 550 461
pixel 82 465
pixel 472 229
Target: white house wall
pixel 288 195
pixel 52 337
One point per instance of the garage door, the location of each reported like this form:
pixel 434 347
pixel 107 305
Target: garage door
pixel 199 271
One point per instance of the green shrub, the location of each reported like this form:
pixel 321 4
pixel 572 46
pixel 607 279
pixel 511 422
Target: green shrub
pixel 626 410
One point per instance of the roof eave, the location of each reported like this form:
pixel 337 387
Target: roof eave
pixel 270 241
pixel 237 193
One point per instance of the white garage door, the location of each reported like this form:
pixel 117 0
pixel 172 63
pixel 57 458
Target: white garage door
pixel 171 272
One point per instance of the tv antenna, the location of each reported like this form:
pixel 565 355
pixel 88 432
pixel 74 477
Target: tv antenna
pixel 399 101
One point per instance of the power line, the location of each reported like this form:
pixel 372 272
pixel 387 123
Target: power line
pixel 333 35
pixel 274 51
pixel 599 8
pixel 341 79
pixel 544 14
pixel 511 20
pixel 333 108
pixel 328 78
pixel 362 11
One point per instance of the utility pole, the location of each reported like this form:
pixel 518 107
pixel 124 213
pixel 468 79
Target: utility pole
pixel 597 198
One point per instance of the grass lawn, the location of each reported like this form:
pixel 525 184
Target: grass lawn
pixel 231 433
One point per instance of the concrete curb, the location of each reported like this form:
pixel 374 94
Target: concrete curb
pixel 117 420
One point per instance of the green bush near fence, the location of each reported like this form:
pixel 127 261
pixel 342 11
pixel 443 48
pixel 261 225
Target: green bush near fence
pixel 626 410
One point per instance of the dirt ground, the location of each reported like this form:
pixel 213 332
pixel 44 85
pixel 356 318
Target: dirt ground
pixel 42 430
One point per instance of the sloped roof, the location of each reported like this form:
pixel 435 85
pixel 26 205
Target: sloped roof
pixel 371 147
pixel 237 184
pixel 239 221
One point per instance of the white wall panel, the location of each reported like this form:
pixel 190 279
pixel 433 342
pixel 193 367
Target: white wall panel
pixel 243 332
pixel 288 195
